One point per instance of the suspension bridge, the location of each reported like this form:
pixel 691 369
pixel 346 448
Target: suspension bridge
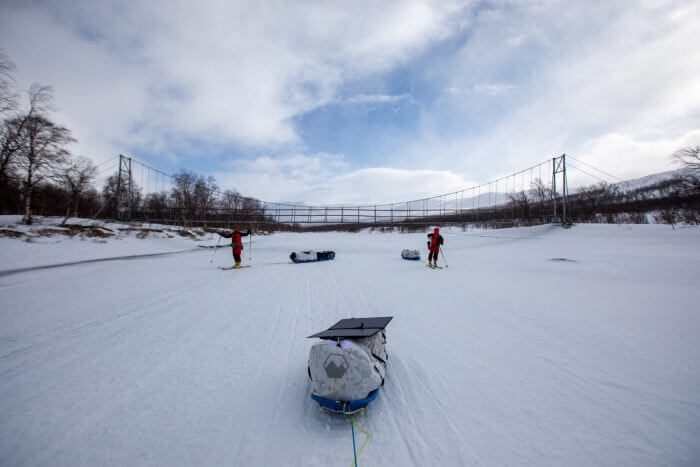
pixel 535 195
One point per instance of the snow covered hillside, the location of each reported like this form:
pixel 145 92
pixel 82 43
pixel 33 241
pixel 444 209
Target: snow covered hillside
pixel 655 178
pixel 539 346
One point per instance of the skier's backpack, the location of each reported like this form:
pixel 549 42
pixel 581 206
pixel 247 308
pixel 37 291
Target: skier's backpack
pixel 413 255
pixel 348 365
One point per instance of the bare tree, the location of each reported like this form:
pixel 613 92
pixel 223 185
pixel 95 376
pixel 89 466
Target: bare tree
pixel 688 157
pixel 193 195
pixel 109 196
pixel 76 177
pixel 183 194
pixel 252 208
pixel 204 196
pixel 16 138
pixel 8 146
pixel 115 200
pixel 8 103
pixel 597 198
pixel 40 144
pixel 539 191
pixel 8 175
pixel 230 201
pixel 42 150
pixel 690 216
pixel 540 194
pixel 521 202
pixel 668 216
pixel 156 204
pixel 8 98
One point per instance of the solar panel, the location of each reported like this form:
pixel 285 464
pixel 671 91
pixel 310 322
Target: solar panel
pixel 355 327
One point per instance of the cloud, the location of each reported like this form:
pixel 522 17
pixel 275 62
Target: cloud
pixel 494 89
pixel 378 99
pixel 383 185
pixel 624 152
pixel 584 86
pixel 148 75
pixel 326 179
pixel 280 178
pixel 516 41
pixel 483 89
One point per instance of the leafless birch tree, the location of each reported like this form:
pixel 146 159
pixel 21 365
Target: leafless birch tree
pixel 76 177
pixel 688 157
pixel 40 146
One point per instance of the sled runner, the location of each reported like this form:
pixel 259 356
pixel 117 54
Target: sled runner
pixel 412 255
pixel 348 365
pixel 311 256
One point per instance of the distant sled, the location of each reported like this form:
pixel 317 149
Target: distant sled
pixel 411 255
pixel 311 256
pixel 348 365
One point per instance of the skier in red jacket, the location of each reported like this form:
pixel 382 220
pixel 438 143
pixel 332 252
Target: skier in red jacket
pixel 236 244
pixel 434 246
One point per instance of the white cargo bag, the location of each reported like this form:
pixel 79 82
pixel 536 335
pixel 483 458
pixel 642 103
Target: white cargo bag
pixel 348 369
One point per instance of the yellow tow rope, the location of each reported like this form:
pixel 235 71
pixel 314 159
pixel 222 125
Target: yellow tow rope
pixel 364 443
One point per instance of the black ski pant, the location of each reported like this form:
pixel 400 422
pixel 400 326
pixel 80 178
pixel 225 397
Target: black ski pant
pixel 433 255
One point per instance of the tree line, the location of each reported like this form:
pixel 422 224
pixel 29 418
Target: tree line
pixel 672 200
pixel 193 200
pixel 34 150
pixel 669 201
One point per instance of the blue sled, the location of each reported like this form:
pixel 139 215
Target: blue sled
pixel 309 256
pixel 345 408
pixel 411 255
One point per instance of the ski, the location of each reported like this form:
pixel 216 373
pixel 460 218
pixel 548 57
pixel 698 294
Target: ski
pixel 433 267
pixel 231 267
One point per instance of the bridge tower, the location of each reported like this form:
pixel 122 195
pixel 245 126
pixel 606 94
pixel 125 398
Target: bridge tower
pixel 559 167
pixel 124 174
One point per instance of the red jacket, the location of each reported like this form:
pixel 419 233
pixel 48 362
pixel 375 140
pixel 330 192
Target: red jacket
pixel 236 240
pixel 237 243
pixel 435 241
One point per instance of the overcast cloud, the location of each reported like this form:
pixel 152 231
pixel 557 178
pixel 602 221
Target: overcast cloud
pixel 331 102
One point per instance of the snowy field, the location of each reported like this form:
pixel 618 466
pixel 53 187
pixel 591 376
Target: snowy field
pixel 538 346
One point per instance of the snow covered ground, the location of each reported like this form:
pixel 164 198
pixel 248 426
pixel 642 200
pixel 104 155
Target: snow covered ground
pixel 52 244
pixel 536 346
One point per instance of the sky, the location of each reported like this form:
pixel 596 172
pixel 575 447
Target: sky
pixel 330 102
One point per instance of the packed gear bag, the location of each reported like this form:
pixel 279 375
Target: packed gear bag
pixel 311 255
pixel 349 362
pixel 413 255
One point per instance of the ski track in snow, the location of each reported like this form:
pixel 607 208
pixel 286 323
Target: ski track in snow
pixel 505 358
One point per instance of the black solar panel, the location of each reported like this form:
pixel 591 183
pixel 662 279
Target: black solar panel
pixel 355 327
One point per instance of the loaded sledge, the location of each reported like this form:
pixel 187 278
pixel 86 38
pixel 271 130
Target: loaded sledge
pixel 311 256
pixel 348 365
pixel 412 255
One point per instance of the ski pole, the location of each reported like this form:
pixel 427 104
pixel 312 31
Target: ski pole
pixel 215 248
pixel 250 243
pixel 443 257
